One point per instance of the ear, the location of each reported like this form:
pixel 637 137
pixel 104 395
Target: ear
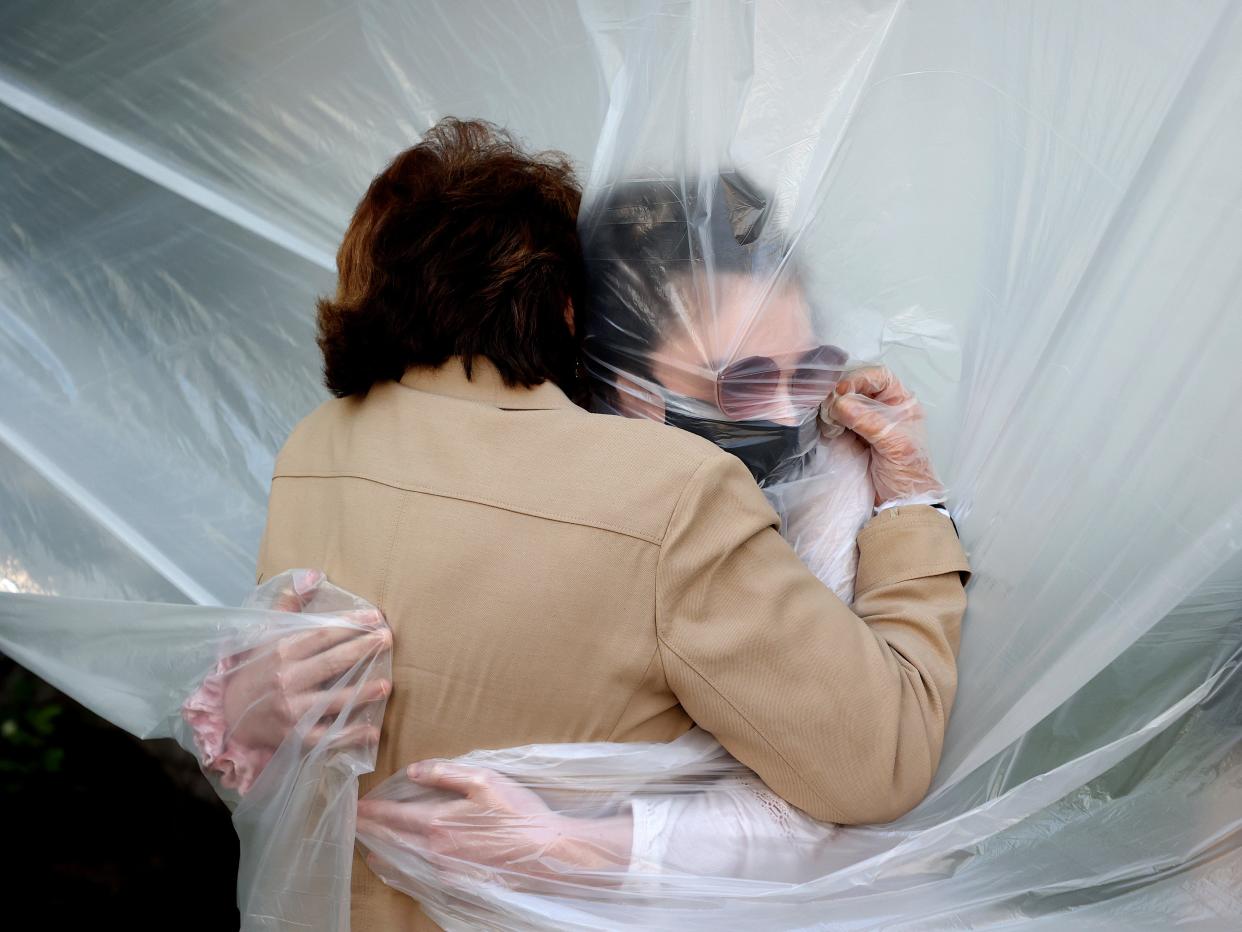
pixel 569 315
pixel 633 400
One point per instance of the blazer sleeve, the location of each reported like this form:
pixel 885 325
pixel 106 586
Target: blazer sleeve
pixel 841 711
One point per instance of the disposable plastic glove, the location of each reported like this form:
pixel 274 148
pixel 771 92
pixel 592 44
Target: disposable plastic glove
pixel 245 709
pixel 483 824
pixel 874 404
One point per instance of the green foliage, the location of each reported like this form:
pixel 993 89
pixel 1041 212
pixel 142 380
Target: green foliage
pixel 30 742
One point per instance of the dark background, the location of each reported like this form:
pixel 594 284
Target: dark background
pixel 104 828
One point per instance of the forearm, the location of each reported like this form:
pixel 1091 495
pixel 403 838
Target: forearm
pixel 596 850
pixel 840 712
pixel 911 596
pixel 736 828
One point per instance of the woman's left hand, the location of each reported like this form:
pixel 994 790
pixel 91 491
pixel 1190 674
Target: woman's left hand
pixel 492 822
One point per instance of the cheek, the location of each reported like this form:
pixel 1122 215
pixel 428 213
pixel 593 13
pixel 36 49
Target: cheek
pixel 684 376
pixel 637 402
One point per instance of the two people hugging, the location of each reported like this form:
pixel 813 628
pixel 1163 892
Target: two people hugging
pixel 554 460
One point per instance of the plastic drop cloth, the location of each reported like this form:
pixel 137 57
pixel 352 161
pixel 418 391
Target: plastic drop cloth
pixel 1029 210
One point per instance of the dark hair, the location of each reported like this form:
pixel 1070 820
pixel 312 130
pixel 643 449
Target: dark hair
pixel 637 236
pixel 463 246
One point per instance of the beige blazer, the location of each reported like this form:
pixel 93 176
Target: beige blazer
pixel 555 575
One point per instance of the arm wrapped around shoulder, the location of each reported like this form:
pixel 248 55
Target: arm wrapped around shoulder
pixel 842 712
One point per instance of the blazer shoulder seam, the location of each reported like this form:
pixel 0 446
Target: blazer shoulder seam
pixel 682 494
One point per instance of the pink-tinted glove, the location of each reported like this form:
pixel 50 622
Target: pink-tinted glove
pixel 878 408
pixel 247 706
pixel 238 764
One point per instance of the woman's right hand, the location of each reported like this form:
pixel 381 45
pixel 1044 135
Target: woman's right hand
pixel 885 414
pixel 271 688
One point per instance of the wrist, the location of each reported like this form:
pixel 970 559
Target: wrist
pixel 939 506
pixel 599 847
pixel 934 498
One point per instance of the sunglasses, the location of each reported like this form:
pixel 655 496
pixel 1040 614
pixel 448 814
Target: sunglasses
pixel 751 385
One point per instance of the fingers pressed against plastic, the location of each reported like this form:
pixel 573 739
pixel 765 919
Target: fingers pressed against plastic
pixel 446 775
pixel 359 734
pixel 369 617
pixel 859 415
pixel 309 643
pixel 335 701
pixel 299 590
pixel 874 382
pixel 330 664
pixel 405 816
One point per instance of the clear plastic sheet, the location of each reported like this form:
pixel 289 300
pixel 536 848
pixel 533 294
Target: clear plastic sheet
pixel 521 837
pixel 143 667
pixel 1029 210
pixel 733 856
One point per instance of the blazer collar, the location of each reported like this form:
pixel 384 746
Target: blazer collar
pixel 485 386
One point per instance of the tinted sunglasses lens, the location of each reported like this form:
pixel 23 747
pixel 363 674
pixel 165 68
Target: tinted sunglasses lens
pixel 817 372
pixel 747 384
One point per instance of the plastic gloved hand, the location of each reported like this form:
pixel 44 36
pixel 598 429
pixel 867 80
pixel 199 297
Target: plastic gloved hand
pixel 878 408
pixel 270 692
pixel 493 823
pixel 244 710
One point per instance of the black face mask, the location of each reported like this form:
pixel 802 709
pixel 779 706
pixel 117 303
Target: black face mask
pixel 772 452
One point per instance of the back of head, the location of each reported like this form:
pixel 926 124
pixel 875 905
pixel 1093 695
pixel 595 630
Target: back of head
pixel 464 245
pixel 639 238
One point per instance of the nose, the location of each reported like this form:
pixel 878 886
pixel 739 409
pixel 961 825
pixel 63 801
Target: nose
pixel 788 406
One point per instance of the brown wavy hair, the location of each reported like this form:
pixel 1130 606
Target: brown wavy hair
pixel 463 246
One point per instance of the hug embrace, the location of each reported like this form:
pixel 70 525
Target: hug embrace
pixel 605 483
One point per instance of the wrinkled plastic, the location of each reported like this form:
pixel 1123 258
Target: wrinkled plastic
pixel 713 848
pixel 246 707
pixel 143 666
pixel 528 837
pixel 1026 210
